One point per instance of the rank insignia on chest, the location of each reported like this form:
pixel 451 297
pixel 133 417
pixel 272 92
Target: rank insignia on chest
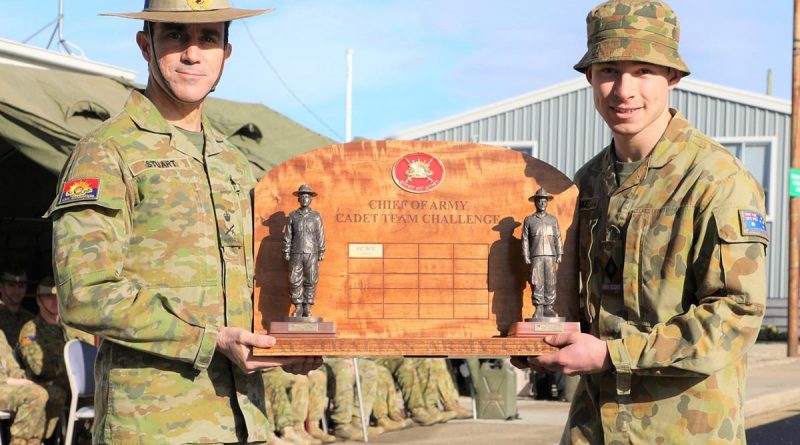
pixel 85 189
pixel 752 223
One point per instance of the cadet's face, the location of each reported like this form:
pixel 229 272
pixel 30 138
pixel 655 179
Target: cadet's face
pixel 48 306
pixel 190 57
pixel 631 96
pixel 304 199
pixel 13 292
pixel 541 204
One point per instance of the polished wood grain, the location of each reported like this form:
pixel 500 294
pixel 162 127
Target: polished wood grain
pixel 446 264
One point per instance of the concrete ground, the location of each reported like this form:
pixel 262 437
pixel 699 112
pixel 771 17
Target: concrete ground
pixel 773 382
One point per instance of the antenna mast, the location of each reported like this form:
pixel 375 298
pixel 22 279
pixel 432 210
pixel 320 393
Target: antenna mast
pixel 65 45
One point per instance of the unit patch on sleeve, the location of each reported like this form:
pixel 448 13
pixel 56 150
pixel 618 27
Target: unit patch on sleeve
pixel 753 223
pixel 27 340
pixel 86 189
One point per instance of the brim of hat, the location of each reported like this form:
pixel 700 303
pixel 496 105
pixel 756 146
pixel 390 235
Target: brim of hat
pixel 620 49
pixel 210 16
pixel 534 198
pixel 304 193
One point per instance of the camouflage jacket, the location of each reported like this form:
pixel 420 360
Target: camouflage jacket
pixel 11 323
pixel 41 346
pixel 153 253
pixel 672 269
pixel 8 361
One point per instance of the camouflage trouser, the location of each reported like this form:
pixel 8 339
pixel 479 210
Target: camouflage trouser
pixel 436 382
pixel 543 279
pixel 56 402
pixel 303 277
pixel 387 399
pixel 345 402
pixel 279 409
pixel 405 373
pixel 317 392
pixel 27 402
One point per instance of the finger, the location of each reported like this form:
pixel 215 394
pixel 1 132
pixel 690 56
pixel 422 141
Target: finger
pixel 520 362
pixel 257 340
pixel 560 340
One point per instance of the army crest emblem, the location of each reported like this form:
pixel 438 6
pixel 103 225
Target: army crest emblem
pixel 199 5
pixel 418 172
pixel 85 189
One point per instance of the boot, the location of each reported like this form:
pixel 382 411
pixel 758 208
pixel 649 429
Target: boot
pixel 275 440
pixel 298 310
pixel 353 432
pixel 424 418
pixel 398 417
pixel 548 311
pixel 390 425
pixel 307 309
pixel 300 429
pixel 293 436
pixel 20 441
pixel 461 412
pixel 445 416
pixel 318 433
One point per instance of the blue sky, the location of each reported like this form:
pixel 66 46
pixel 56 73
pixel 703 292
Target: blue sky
pixel 416 61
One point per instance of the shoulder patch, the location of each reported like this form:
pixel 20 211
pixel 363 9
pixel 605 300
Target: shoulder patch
pixel 27 340
pixel 752 223
pixel 85 189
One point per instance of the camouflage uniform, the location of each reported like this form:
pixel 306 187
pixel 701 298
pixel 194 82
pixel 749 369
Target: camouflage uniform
pixel 153 253
pixel 405 373
pixel 11 322
pixel 387 401
pixel 317 394
pixel 437 383
pixel 674 281
pixel 41 346
pixel 279 409
pixel 345 402
pixel 27 402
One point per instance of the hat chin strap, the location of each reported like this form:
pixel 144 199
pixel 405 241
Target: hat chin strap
pixel 154 67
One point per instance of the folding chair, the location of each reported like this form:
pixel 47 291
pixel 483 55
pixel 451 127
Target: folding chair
pixel 79 358
pixel 4 415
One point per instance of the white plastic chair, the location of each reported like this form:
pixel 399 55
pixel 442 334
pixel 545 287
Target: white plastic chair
pixel 4 415
pixel 79 358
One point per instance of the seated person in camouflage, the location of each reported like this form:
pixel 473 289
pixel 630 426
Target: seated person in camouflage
pixel 41 348
pixel 287 397
pixel 672 244
pixel 22 397
pixel 346 411
pixel 388 408
pixel 317 401
pixel 438 388
pixel 405 374
pixel 13 284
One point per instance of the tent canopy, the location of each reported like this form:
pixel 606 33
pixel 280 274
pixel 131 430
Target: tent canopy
pixel 43 114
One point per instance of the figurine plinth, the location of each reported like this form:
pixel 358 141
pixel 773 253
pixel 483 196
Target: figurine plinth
pixel 302 327
pixel 542 327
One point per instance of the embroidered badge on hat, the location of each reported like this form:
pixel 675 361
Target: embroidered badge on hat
pixel 753 223
pixel 85 189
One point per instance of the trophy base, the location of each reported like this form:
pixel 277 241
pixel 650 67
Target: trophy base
pixel 542 327
pixel 302 327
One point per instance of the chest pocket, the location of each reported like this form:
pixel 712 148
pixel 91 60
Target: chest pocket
pixel 657 248
pixel 229 212
pixel 587 221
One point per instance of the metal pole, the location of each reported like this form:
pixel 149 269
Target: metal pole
pixel 60 26
pixel 364 420
pixel 794 202
pixel 348 119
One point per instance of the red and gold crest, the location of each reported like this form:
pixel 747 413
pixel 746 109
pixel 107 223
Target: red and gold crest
pixel 199 5
pixel 418 172
pixel 80 190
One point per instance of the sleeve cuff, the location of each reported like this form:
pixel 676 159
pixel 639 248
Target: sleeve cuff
pixel 622 365
pixel 208 345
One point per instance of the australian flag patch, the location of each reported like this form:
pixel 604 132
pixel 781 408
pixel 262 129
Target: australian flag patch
pixel 85 189
pixel 753 223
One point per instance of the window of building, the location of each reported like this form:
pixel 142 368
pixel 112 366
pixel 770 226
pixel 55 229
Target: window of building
pixel 530 148
pixel 757 156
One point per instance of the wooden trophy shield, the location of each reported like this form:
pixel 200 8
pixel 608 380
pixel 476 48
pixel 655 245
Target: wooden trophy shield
pixel 423 251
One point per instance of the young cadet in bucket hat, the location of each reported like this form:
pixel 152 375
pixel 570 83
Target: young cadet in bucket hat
pixel 153 248
pixel 672 245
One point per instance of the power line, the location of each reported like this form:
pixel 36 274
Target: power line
pixel 285 85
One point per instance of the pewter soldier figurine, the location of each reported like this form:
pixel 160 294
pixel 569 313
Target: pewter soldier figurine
pixel 304 248
pixel 542 249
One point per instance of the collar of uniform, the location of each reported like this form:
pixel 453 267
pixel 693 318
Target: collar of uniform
pixel 145 114
pixel 676 133
pixel 214 138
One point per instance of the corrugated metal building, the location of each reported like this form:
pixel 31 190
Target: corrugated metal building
pixel 560 126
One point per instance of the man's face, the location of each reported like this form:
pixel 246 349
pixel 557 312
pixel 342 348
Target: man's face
pixel 48 307
pixel 631 96
pixel 190 56
pixel 13 292
pixel 304 199
pixel 541 204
